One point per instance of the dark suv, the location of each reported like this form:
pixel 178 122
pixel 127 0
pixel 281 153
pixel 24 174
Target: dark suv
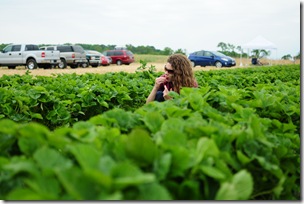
pixel 120 57
pixel 70 55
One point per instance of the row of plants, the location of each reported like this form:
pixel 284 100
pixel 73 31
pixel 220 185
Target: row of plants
pixel 236 137
pixel 66 98
pixel 182 149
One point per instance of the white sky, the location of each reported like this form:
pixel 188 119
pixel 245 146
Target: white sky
pixel 187 24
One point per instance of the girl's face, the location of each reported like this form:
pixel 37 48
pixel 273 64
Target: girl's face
pixel 169 71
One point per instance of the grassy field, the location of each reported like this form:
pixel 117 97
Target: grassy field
pixel 151 58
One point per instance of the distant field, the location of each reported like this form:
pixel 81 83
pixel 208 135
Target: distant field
pixel 151 58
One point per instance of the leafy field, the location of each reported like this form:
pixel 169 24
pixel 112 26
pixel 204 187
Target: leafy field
pixel 92 137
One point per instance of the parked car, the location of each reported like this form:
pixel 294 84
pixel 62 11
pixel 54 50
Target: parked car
pixel 109 58
pixel 120 57
pixel 211 58
pixel 96 59
pixel 93 57
pixel 70 55
pixel 29 55
pixel 105 60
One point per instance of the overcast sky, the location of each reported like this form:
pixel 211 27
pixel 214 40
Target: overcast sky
pixel 187 24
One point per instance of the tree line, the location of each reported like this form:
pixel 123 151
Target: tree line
pixel 225 48
pixel 150 50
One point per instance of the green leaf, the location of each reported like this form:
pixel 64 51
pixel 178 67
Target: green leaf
pixel 227 191
pixel 123 182
pixel 140 147
pixel 280 187
pixel 23 194
pixel 162 166
pixel 36 115
pixel 126 174
pixel 99 177
pixel 47 187
pixel 213 172
pixel 78 185
pixel 172 132
pixel 154 191
pixel 120 118
pixel 239 188
pixel 153 120
pixel 242 157
pixel 289 127
pixel 271 167
pixel 181 160
pixel 86 154
pixel 206 147
pixel 7 135
pixel 32 137
pixel 21 164
pixel 84 131
pixel 50 159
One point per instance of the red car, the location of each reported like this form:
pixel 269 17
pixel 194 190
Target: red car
pixel 120 57
pixel 96 58
pixel 104 60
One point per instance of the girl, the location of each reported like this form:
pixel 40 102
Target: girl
pixel 178 74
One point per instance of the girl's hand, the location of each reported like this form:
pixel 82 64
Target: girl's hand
pixel 166 92
pixel 159 81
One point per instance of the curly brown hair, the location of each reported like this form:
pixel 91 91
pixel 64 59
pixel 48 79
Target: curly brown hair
pixel 183 73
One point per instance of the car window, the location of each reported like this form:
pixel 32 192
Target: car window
pixel 50 48
pixel 200 53
pixel 219 54
pixel 64 48
pixel 8 49
pixel 78 49
pixel 110 53
pixel 129 53
pixel 93 52
pixel 208 54
pixel 16 48
pixel 31 47
pixel 117 53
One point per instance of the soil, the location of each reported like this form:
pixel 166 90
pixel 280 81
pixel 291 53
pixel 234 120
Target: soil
pixel 100 70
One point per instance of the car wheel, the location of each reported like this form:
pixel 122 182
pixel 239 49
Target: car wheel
pixel 193 64
pixel 118 62
pixel 31 64
pixel 218 64
pixel 84 65
pixel 62 64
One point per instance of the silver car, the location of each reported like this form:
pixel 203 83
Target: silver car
pixel 70 55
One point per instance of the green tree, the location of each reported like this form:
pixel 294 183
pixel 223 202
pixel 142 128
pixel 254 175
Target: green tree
pixel 2 46
pixel 286 57
pixel 180 51
pixel 298 56
pixel 230 47
pixel 168 51
pixel 223 46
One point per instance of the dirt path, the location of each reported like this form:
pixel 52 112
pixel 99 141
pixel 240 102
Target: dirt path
pixel 100 70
